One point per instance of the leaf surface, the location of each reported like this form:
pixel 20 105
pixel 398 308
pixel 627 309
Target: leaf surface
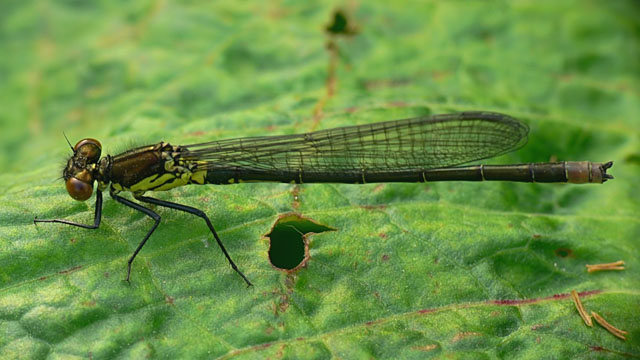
pixel 457 270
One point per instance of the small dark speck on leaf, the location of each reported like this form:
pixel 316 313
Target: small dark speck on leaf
pixel 563 252
pixel 341 24
pixel 385 257
pixel 536 236
pixel 90 303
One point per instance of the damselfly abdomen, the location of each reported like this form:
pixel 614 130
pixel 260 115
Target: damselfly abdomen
pixel 411 150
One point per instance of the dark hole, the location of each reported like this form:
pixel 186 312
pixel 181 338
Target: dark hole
pixel 340 24
pixel 287 242
pixel 562 252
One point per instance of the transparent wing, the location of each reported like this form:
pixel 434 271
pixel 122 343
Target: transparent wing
pixel 416 143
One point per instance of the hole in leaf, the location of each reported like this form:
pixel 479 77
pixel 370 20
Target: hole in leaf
pixel 563 252
pixel 288 242
pixel 341 24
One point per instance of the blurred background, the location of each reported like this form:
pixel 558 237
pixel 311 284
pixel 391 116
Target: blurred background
pixel 149 69
pixel 132 73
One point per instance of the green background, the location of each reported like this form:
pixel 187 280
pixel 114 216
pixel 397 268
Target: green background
pixel 442 270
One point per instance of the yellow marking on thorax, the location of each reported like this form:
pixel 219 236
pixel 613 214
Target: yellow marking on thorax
pixel 198 177
pixel 165 181
pixel 159 183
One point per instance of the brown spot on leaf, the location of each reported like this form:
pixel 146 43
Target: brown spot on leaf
pixel 374 207
pixel 90 303
pixel 439 75
pixel 385 257
pixel 426 311
pixel 425 347
pixel 70 270
pixel 295 193
pixel 399 104
pixel 465 334
pixel 512 302
pixel 378 188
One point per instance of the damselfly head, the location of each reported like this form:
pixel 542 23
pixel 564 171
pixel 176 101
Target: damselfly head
pixel 88 148
pixel 78 174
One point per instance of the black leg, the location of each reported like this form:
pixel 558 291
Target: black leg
pixel 96 217
pixel 204 216
pixel 147 212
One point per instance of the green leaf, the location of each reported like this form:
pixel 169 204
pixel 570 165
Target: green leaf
pixel 445 270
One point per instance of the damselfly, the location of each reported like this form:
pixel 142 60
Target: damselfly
pixel 419 149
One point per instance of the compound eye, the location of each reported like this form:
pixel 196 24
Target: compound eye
pixel 89 148
pixel 78 189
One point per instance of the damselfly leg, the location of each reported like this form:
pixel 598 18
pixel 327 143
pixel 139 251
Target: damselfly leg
pixel 156 218
pixel 199 213
pixel 96 218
